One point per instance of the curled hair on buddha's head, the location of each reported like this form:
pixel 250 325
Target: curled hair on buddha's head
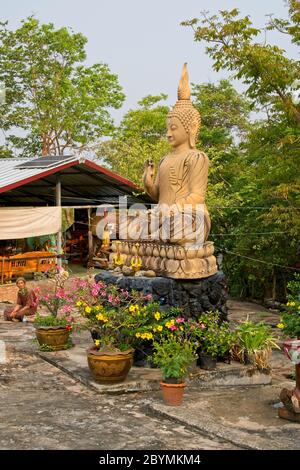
pixel 184 110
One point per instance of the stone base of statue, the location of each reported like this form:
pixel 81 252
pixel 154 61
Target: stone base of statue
pixel 168 260
pixel 192 296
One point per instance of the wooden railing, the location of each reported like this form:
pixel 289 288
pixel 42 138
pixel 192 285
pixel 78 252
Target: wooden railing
pixel 26 263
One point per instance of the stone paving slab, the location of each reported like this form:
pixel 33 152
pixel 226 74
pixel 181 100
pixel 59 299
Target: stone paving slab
pixel 246 417
pixel 74 362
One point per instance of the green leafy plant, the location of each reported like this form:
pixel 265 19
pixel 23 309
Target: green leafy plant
pixel 290 319
pixel 254 342
pixel 174 357
pixel 117 319
pixel 57 302
pixel 215 337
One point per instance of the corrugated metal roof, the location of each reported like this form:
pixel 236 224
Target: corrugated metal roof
pixel 83 180
pixel 9 174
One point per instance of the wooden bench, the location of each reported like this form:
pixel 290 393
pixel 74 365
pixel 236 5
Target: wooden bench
pixel 26 263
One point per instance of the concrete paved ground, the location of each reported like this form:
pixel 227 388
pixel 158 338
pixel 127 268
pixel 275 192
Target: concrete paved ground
pixel 43 408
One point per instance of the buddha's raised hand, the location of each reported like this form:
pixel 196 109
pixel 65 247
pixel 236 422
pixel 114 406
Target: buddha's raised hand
pixel 148 171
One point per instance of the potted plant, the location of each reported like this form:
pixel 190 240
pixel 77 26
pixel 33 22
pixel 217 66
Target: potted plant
pixel 253 344
pixel 215 340
pixel 174 355
pixel 53 330
pixel 117 320
pixel 290 326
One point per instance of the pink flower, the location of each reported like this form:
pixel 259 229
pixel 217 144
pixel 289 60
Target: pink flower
pixel 110 298
pixel 82 283
pixel 148 297
pixel 60 294
pixel 125 293
pixel 180 320
pixel 173 328
pixel 46 298
pixel 202 326
pixel 66 309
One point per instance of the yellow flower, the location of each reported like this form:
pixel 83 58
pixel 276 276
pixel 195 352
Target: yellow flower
pixel 154 330
pixel 170 323
pixel 298 307
pixel 157 316
pixel 288 304
pixel 99 316
pixel 280 325
pixel 97 342
pixel 181 328
pixel 99 307
pixel 79 303
pixel 159 328
pixel 88 309
pixel 138 335
pixel 105 319
pixel 292 304
pixel 132 308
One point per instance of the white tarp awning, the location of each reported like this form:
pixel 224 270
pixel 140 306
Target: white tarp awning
pixel 29 222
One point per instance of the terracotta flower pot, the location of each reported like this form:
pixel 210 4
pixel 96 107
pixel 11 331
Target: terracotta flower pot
pixel 55 337
pixel 172 393
pixel 109 367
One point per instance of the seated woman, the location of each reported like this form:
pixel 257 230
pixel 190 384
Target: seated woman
pixel 26 303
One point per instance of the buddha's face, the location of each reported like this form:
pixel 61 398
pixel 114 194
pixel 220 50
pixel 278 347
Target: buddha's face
pixel 176 134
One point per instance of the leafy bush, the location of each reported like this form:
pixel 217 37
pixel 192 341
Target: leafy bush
pixel 215 337
pixel 174 357
pixel 254 342
pixel 290 319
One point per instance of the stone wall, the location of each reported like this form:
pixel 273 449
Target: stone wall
pixel 193 296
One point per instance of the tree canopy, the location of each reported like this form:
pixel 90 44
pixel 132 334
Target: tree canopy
pixel 141 135
pixel 53 101
pixel 261 235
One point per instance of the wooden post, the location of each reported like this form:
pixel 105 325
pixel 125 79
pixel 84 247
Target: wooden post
pixel 90 238
pixel 2 270
pixel 59 233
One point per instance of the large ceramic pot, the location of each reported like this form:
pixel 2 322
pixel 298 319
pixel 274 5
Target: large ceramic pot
pixel 291 349
pixel 55 337
pixel 109 367
pixel 172 393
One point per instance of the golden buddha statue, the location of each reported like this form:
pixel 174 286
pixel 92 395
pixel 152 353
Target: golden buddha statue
pixel 173 235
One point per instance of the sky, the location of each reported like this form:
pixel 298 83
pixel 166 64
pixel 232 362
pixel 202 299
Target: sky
pixel 142 40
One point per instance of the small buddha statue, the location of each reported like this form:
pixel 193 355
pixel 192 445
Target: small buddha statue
pixel 180 221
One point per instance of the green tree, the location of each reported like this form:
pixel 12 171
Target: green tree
pixel 54 101
pixel 141 135
pixel 265 179
pixel 265 69
pixel 225 122
pixel 5 152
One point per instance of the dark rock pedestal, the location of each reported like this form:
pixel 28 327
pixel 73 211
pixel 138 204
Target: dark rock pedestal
pixel 193 296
